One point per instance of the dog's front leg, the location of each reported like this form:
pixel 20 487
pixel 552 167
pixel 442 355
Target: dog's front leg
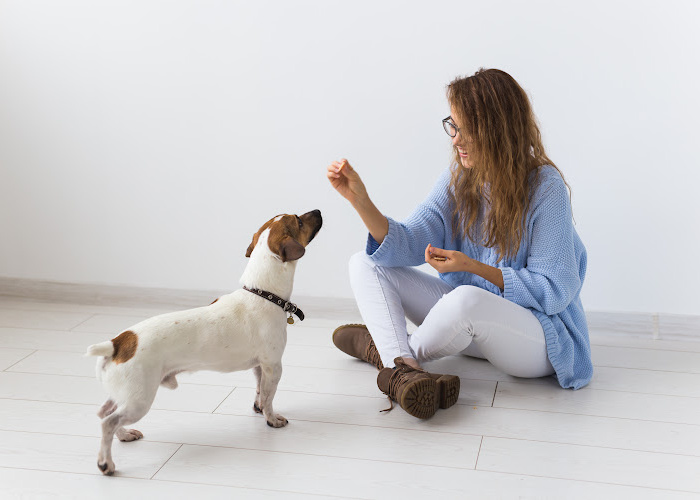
pixel 270 377
pixel 257 371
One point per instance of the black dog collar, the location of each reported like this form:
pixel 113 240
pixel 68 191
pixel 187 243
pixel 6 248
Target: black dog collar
pixel 287 306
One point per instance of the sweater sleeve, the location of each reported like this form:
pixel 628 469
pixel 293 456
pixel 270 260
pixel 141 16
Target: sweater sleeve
pixel 404 244
pixel 550 280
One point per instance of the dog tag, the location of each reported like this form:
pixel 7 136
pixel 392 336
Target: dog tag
pixel 290 320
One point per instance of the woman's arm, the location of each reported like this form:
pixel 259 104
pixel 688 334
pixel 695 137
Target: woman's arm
pixel 348 183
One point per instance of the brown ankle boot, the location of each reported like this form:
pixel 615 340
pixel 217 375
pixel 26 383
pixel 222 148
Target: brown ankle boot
pixel 447 389
pixel 356 341
pixel 414 390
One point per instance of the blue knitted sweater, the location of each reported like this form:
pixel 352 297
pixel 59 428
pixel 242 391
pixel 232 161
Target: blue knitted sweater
pixel 545 276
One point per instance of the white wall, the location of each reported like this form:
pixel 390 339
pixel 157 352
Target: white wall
pixel 143 142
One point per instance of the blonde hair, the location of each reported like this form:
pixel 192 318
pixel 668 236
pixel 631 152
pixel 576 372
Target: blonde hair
pixel 505 148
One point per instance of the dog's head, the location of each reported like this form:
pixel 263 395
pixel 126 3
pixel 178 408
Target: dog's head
pixel 289 234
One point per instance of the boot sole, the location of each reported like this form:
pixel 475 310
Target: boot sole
pixel 448 390
pixel 420 399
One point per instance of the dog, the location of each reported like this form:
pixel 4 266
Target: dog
pixel 239 331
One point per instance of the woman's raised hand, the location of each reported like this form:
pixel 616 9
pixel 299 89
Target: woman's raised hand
pixel 347 182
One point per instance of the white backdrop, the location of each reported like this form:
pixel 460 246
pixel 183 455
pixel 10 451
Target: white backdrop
pixel 143 142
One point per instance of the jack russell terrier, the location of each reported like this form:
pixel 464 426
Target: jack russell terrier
pixel 242 330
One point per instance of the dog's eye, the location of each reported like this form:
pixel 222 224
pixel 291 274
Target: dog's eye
pixel 300 224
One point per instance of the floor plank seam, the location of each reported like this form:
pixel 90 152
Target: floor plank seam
pixel 482 436
pixel 168 460
pixel 476 463
pixel 117 476
pixel 647 369
pixel 603 416
pixel 224 400
pixel 495 390
pixel 82 322
pixel 19 361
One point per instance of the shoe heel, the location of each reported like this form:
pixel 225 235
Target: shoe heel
pixel 447 390
pixel 420 399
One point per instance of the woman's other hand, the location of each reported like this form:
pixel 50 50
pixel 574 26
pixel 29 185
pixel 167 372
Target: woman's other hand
pixel 347 182
pixel 446 261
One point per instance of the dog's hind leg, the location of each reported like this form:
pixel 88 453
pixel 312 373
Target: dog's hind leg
pixel 126 414
pixel 269 379
pixel 107 408
pixel 257 371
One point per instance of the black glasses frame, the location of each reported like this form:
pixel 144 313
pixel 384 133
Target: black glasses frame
pixel 450 127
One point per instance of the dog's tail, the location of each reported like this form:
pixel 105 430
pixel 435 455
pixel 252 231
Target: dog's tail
pixel 101 349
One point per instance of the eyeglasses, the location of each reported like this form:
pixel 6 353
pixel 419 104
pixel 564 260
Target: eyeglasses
pixel 449 126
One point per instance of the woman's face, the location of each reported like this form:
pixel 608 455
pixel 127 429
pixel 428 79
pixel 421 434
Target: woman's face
pixel 462 143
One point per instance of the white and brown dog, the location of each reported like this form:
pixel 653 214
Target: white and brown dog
pixel 238 331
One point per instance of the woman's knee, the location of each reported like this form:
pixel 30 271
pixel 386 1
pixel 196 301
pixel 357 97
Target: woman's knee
pixel 360 267
pixel 467 299
pixel 359 261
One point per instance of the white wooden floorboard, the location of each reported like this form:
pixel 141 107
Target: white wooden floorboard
pixel 645 359
pixel 600 338
pixel 54 340
pixel 589 463
pixel 368 479
pixel 29 450
pixel 21 484
pixel 41 319
pixel 646 381
pixel 589 401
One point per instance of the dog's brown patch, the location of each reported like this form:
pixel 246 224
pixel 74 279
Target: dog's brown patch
pixel 125 345
pixel 214 301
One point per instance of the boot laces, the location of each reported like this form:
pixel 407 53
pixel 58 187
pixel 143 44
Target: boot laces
pixel 397 378
pixel 372 355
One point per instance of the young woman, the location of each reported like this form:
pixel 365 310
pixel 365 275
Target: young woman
pixel 498 228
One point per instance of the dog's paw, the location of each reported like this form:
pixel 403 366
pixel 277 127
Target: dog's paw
pixel 256 407
pixel 107 467
pixel 129 435
pixel 276 420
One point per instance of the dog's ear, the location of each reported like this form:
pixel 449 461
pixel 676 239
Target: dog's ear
pixel 252 245
pixel 291 249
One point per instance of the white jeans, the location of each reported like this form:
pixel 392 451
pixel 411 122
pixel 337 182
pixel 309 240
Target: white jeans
pixel 466 320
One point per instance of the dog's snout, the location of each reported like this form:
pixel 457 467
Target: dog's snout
pixel 315 216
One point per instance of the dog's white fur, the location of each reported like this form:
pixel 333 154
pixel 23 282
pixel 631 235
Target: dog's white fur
pixel 238 331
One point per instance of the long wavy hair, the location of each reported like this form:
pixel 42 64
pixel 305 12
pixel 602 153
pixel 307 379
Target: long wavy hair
pixel 505 149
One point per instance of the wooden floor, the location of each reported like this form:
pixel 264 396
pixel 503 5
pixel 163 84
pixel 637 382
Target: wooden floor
pixel 634 432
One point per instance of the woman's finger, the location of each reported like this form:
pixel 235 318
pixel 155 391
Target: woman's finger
pixel 437 254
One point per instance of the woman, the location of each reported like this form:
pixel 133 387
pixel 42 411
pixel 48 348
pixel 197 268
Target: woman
pixel 498 228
